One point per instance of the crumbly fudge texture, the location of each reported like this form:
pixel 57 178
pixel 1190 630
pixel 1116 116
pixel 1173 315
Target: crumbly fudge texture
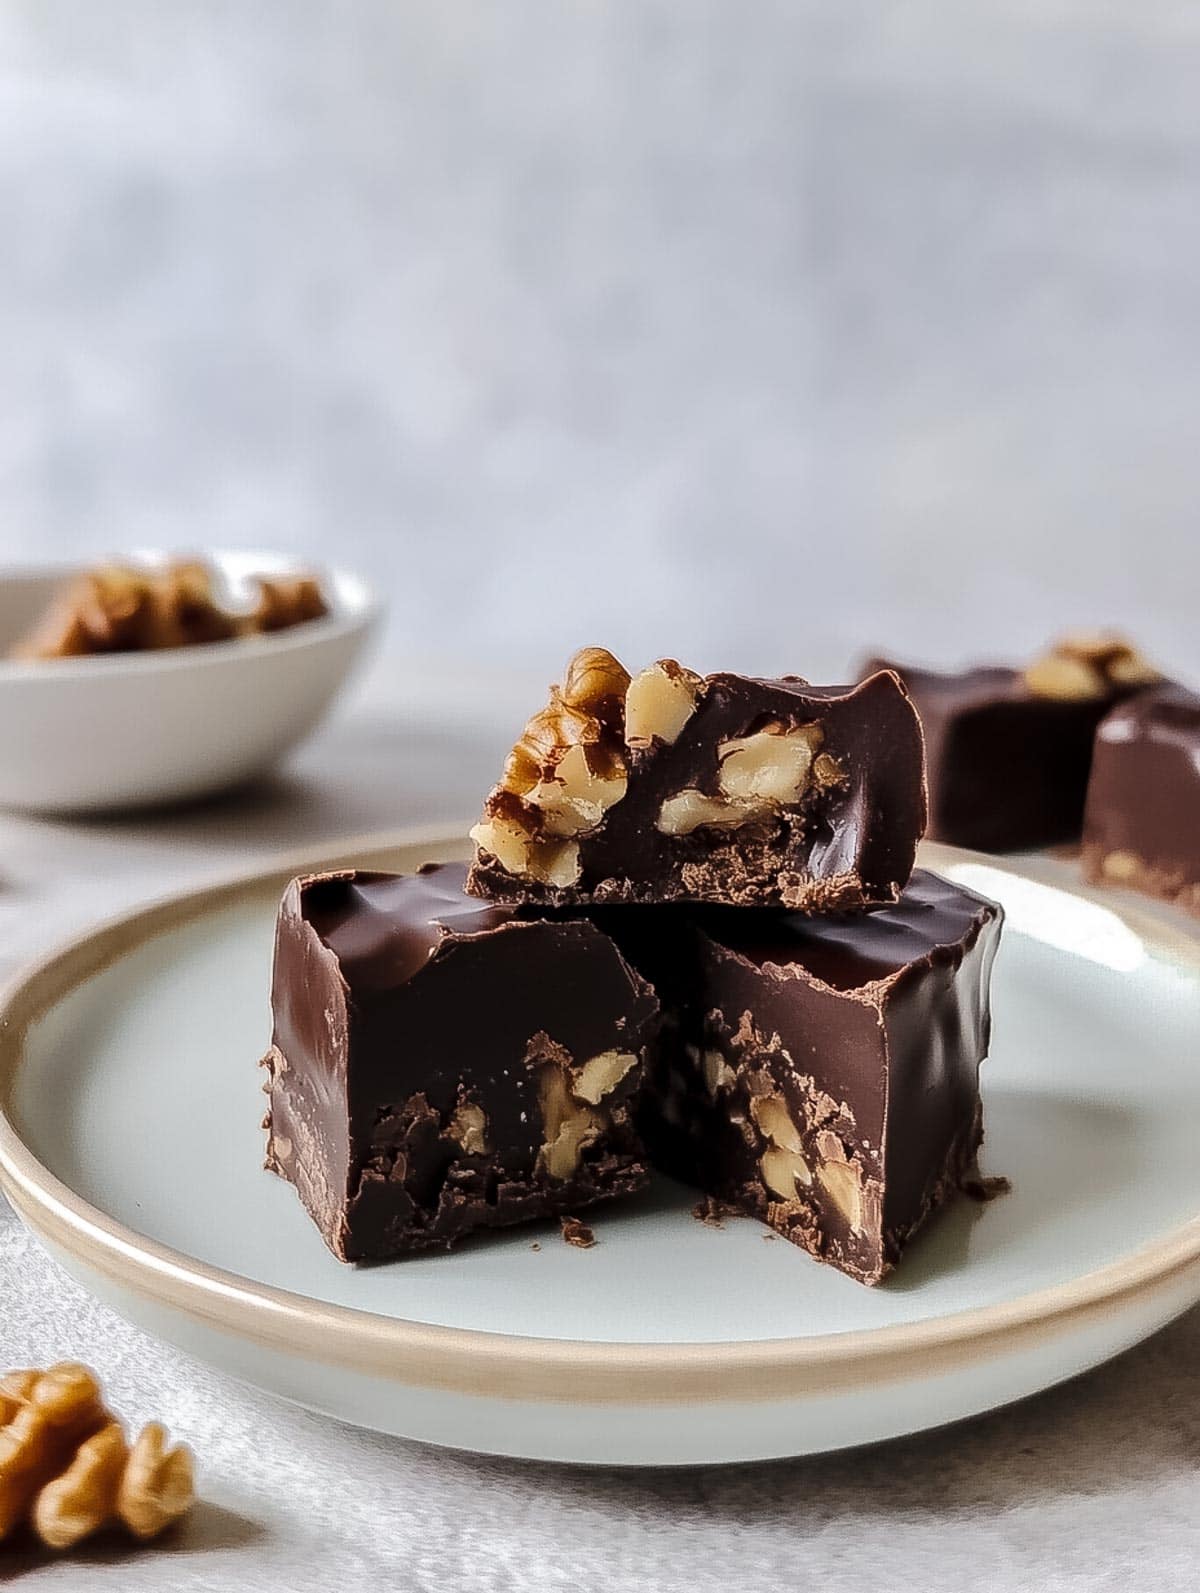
pixel 1142 824
pixel 666 786
pixel 822 1074
pixel 441 1065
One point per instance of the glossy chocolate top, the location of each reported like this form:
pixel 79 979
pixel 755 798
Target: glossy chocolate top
pixel 384 928
pixel 855 950
pixel 1144 795
pixel 1168 716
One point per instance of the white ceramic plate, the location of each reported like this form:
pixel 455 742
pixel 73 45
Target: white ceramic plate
pixel 127 729
pixel 130 1143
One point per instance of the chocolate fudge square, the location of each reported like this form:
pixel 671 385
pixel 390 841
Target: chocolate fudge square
pixel 1142 822
pixel 440 1064
pixel 1008 751
pixel 668 787
pixel 822 1073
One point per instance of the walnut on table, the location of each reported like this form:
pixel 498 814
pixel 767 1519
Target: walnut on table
pixel 67 1470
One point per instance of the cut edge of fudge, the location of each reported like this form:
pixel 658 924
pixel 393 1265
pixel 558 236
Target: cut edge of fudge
pixel 667 786
pixel 406 1108
pixel 842 1115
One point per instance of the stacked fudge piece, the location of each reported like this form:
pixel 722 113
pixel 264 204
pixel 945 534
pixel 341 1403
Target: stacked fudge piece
pixel 690 938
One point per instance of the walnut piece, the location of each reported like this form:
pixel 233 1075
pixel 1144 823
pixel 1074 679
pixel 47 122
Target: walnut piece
pixel 757 774
pixel 718 1075
pixel 129 608
pixel 568 1125
pixel 1086 666
pixel 565 771
pixel 283 603
pixel 782 1164
pixel 842 1182
pixel 659 702
pixel 67 1471
pixel 600 1075
pixel 577 1233
pixel 573 1116
pixel 1121 866
pixel 468 1127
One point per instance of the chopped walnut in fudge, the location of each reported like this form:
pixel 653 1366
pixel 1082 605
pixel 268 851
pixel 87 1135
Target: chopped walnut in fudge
pixel 668 786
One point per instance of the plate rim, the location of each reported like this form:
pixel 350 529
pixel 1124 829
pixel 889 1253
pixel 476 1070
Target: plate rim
pixel 482 1362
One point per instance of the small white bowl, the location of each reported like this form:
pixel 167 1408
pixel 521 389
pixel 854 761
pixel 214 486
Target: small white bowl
pixel 124 730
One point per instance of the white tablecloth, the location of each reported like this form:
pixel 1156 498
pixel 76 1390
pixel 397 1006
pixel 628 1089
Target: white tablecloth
pixel 1094 1485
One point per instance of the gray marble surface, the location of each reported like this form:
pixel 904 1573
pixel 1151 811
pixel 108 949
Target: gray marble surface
pixel 747 332
pixel 1092 1486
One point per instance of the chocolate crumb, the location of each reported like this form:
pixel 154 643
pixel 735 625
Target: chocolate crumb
pixel 535 1245
pixel 577 1233
pixel 985 1189
pixel 713 1212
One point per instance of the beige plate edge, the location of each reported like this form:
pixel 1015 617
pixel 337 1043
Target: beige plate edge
pixel 508 1366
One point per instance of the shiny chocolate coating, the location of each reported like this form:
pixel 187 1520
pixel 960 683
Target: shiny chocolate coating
pixel 414 1032
pixel 1142 822
pixel 865 1031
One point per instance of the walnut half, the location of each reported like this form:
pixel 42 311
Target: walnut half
pixel 1087 666
pixel 66 1469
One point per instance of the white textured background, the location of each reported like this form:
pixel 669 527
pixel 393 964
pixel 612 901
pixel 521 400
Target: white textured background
pixel 758 332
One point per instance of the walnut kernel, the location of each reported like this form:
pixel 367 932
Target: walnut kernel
pixel 842 1182
pixel 689 810
pixel 468 1127
pixel 782 1164
pixel 65 1467
pixel 783 1171
pixel 718 1075
pixel 569 1126
pixel 1086 665
pixel 600 1075
pixel 659 702
pixel 770 767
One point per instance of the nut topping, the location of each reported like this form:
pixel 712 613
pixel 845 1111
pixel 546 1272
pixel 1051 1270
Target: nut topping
pixel 1086 666
pixel 659 702
pixel 564 773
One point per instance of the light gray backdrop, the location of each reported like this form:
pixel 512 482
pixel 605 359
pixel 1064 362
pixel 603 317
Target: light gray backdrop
pixel 764 333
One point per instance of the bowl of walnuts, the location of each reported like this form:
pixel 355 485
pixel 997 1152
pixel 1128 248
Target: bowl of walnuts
pixel 155 680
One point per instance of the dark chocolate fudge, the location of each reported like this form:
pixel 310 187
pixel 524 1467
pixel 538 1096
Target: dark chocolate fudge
pixel 1142 822
pixel 1008 751
pixel 669 787
pixel 440 1064
pixel 821 1073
